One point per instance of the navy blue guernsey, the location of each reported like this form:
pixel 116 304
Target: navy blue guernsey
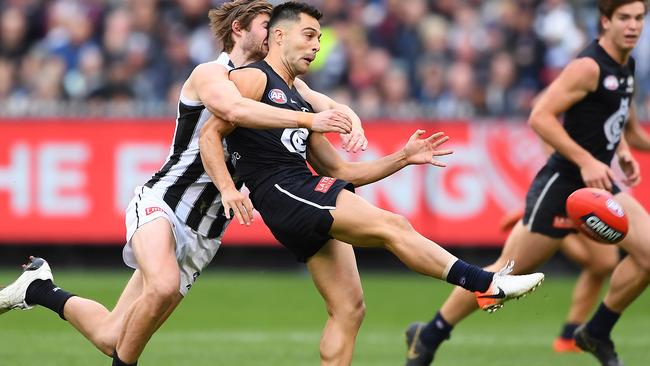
pixel 597 121
pixel 262 157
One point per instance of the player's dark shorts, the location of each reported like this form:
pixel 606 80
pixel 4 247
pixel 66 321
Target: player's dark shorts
pixel 297 211
pixel 546 198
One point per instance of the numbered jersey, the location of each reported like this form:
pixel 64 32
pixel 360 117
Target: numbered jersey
pixel 264 156
pixel 596 122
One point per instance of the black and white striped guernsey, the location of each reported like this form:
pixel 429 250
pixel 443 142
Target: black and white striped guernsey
pixel 182 181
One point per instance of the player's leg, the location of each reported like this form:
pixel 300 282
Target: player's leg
pixel 597 262
pixel 359 223
pixel 630 277
pixel 528 250
pixel 335 274
pixel 154 250
pixel 100 326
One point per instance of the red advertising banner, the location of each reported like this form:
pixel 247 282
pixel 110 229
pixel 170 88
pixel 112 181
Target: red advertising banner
pixel 68 182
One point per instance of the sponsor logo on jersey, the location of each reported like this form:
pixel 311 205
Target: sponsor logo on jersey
pixel 149 210
pixel 562 222
pixel 277 96
pixel 324 184
pixel 611 82
pixel 614 207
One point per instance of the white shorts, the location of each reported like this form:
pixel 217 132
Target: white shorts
pixel 193 250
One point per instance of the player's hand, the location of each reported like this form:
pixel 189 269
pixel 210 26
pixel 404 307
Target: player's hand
pixel 424 150
pixel 355 140
pixel 630 168
pixel 597 174
pixel 331 121
pixel 239 203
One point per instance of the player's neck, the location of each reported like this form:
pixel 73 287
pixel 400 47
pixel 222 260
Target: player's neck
pixel 617 54
pixel 282 68
pixel 239 57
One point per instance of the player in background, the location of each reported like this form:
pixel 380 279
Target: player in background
pixel 176 220
pixel 596 261
pixel 594 92
pixel 315 216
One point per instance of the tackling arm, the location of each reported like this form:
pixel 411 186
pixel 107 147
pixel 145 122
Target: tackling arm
pixel 352 141
pixel 209 83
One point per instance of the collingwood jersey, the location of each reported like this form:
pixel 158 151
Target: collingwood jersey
pixel 182 181
pixel 597 121
pixel 264 156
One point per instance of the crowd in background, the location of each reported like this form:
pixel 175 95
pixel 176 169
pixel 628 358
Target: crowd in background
pixel 439 59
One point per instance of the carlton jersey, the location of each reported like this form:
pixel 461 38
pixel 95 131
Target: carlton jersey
pixel 260 155
pixel 182 181
pixel 597 121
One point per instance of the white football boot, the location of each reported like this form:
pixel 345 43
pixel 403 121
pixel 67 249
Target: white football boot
pixel 505 287
pixel 13 296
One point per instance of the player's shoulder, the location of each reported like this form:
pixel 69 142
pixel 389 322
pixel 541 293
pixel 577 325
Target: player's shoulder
pixel 250 81
pixel 582 72
pixel 210 68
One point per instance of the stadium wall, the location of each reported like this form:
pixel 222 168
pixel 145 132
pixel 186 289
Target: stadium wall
pixel 66 181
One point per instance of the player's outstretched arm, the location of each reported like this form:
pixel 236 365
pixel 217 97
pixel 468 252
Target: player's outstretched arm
pixel 214 162
pixel 209 83
pixel 326 161
pixel 355 140
pixel 576 80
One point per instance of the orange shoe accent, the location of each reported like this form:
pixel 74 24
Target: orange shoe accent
pixel 563 345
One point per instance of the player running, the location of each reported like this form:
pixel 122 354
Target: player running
pixel 594 92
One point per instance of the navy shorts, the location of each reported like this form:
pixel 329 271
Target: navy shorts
pixel 297 211
pixel 546 199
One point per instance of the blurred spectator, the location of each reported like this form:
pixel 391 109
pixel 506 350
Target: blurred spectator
pixel 400 58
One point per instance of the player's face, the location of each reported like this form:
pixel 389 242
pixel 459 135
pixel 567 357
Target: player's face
pixel 624 28
pixel 302 43
pixel 255 42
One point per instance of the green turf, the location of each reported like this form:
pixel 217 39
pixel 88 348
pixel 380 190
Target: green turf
pixel 270 318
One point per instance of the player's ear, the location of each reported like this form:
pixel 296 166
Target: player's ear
pixel 278 35
pixel 236 27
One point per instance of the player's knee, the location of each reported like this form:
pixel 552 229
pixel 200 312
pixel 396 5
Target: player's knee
pixel 351 312
pixel 397 225
pixel 602 267
pixel 162 292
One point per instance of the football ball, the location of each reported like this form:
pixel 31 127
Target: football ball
pixel 596 213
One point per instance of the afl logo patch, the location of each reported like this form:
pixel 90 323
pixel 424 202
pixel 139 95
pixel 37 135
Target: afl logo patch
pixel 610 82
pixel 277 96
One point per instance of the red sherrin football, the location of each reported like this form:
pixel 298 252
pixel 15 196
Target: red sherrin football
pixel 596 213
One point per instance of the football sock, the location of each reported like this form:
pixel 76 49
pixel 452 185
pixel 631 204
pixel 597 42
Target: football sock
pixel 118 362
pixel 568 329
pixel 436 331
pixel 469 276
pixel 601 324
pixel 46 293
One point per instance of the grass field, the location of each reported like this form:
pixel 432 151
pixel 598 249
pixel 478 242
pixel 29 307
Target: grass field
pixel 271 318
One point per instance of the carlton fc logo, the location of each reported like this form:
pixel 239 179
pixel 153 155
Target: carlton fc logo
pixel 277 96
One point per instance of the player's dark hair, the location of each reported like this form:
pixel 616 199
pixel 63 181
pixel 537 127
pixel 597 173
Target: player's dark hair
pixel 291 10
pixel 606 8
pixel 244 11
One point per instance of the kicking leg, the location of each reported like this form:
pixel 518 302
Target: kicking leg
pixel 335 274
pixel 528 250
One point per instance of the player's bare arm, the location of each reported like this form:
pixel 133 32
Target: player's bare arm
pixel 576 80
pixel 209 83
pixel 355 140
pixel 214 162
pixel 325 160
pixel 628 163
pixel 636 136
